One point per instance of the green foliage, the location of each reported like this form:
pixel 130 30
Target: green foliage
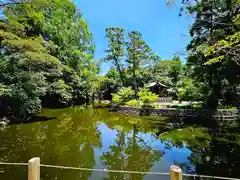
pixel 4 90
pixel 116 99
pixel 122 96
pixel 134 103
pixel 189 91
pixel 146 96
pixel 223 50
pixel 24 94
pixel 227 107
pixel 132 52
pixel 160 71
pixel 30 108
pixel 113 78
pixel 176 69
pixel 187 135
pixel 62 90
pixel 214 49
pixel 46 57
pixel 102 103
pixel 116 49
pixel 138 54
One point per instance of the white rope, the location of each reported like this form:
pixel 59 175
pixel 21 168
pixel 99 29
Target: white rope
pixel 104 170
pixel 17 164
pixel 117 171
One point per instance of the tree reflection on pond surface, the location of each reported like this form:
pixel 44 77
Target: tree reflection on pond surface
pixel 96 138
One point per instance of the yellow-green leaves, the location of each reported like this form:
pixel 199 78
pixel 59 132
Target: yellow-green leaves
pixel 122 96
pixel 4 90
pixel 46 53
pixel 146 96
pixel 39 59
pixel 214 60
pixel 8 35
pixel 225 47
pixel 24 44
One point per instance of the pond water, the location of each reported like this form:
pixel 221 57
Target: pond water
pixel 96 138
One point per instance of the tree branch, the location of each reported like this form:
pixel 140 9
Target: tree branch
pixel 4 4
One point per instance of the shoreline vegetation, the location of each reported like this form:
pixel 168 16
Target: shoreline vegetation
pixel 47 61
pixel 46 58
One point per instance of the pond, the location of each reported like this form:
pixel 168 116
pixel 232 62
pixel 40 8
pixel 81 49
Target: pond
pixel 97 138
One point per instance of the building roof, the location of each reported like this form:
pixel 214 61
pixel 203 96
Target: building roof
pixel 155 83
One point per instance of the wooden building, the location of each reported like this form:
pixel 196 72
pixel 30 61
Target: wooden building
pixel 159 88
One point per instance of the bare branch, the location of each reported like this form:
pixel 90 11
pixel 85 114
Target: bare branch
pixel 12 2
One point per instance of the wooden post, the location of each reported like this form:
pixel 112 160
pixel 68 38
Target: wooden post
pixel 34 169
pixel 175 173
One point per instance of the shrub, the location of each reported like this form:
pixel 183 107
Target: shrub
pixel 30 108
pixel 156 106
pixel 227 107
pixel 196 106
pixel 101 103
pixel 135 103
pixel 146 96
pixel 122 96
pixel 116 99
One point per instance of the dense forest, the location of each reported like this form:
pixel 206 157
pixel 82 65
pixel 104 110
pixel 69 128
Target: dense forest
pixel 47 57
pixel 211 72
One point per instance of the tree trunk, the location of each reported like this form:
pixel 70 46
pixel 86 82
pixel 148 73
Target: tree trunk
pixel 213 99
pixel 120 71
pixel 134 136
pixel 135 82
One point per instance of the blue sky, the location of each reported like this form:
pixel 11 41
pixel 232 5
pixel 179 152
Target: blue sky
pixel 160 25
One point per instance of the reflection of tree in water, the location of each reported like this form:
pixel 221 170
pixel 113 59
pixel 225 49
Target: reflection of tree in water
pixel 82 136
pixel 221 157
pixel 129 153
pixel 213 151
pixel 69 140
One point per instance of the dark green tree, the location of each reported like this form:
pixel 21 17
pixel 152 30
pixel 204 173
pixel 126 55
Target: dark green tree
pixel 213 21
pixel 139 54
pixel 46 56
pixel 116 49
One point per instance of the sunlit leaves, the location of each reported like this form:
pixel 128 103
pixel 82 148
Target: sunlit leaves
pixel 214 50
pixel 116 49
pixel 46 54
pixel 138 51
pixel 4 90
pixel 223 48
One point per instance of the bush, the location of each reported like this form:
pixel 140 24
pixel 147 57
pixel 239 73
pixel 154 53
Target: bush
pixel 157 106
pixel 122 96
pixel 227 107
pixel 146 96
pixel 101 103
pixel 135 103
pixel 196 106
pixel 30 108
pixel 116 99
pixel 189 91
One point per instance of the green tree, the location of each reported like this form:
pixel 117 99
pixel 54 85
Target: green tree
pixel 214 21
pixel 176 73
pixel 46 56
pixel 138 55
pixel 116 49
pixel 160 71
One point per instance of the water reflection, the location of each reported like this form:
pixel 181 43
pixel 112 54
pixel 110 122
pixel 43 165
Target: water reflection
pixel 129 153
pixel 100 139
pixel 214 151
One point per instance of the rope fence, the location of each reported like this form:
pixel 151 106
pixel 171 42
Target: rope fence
pixel 175 171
